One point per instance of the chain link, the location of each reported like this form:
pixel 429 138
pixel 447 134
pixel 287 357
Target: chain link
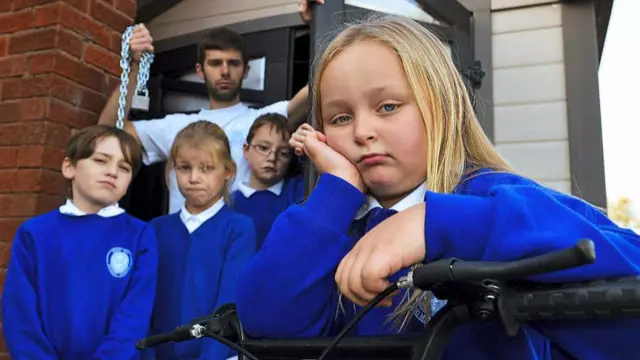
pixel 144 69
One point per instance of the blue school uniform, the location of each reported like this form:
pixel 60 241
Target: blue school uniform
pixel 79 286
pixel 492 216
pixel 201 257
pixel 264 206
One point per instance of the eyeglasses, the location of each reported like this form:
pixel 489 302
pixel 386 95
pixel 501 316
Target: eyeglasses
pixel 284 154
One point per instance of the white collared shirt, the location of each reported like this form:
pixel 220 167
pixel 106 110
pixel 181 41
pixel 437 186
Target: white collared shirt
pixel 247 190
pixel 192 222
pixel 414 198
pixel 109 211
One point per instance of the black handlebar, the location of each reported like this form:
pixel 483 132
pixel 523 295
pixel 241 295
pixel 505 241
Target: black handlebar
pixel 181 333
pixel 447 270
pixel 599 299
pixel 475 291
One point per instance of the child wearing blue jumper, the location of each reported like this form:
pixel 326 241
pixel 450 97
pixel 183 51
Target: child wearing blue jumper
pixel 82 278
pixel 397 134
pixel 202 248
pixel 268 193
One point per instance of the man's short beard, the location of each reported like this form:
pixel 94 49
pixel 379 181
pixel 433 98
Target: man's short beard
pixel 225 96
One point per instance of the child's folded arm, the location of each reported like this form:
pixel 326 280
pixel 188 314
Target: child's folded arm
pixel 130 321
pixel 288 289
pixel 519 220
pixel 22 326
pixel 522 220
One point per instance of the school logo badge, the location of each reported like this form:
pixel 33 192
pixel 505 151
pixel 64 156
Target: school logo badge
pixel 119 262
pixel 420 311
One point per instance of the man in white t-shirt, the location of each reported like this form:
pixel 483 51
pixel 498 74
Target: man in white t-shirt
pixel 222 64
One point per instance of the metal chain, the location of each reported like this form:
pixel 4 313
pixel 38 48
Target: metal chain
pixel 143 74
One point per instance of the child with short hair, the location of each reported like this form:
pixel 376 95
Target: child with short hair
pixel 397 134
pixel 268 193
pixel 82 278
pixel 202 248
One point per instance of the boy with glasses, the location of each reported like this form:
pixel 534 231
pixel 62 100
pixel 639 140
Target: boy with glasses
pixel 268 192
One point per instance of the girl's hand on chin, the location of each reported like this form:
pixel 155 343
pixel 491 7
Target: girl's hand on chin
pixel 326 160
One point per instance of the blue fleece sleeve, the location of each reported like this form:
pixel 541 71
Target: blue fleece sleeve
pixel 131 320
pixel 523 219
pixel 288 289
pixel 21 324
pixel 241 249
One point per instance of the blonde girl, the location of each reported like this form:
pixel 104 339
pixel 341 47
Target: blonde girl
pixel 203 247
pixel 397 134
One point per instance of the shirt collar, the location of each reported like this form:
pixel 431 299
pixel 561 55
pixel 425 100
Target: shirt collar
pixel 192 222
pixel 109 211
pixel 247 190
pixel 415 197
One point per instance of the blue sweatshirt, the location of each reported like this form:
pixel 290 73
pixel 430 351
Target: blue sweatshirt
pixel 264 206
pixel 198 273
pixel 79 287
pixel 493 217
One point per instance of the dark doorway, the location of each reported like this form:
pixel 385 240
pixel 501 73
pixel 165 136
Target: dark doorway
pixel 284 55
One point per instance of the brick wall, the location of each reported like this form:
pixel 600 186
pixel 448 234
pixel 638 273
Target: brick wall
pixel 58 63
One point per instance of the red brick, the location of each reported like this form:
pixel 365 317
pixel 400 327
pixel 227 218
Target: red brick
pixel 62 113
pixel 3 275
pixel 8 228
pixel 78 95
pixel 8 157
pixel 13 66
pixel 10 110
pixel 26 87
pixel 4 45
pixel 116 42
pixel 28 180
pixel 82 5
pixel 56 135
pixel 18 204
pixel 5 252
pixel 21 4
pixel 27 110
pixel 128 7
pixel 103 59
pixel 7 180
pixel 21 180
pixel 54 183
pixel 23 133
pixel 83 24
pixel 34 109
pixel 40 156
pixel 6 5
pixel 70 43
pixel 41 63
pixel 41 181
pixel 39 39
pixel 27 205
pixel 68 67
pixel 79 72
pixel 3 346
pixel 110 16
pixel 47 15
pixel 17 21
pixel 46 202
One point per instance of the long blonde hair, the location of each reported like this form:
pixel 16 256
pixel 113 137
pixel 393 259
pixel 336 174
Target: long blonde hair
pixel 456 142
pixel 208 137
